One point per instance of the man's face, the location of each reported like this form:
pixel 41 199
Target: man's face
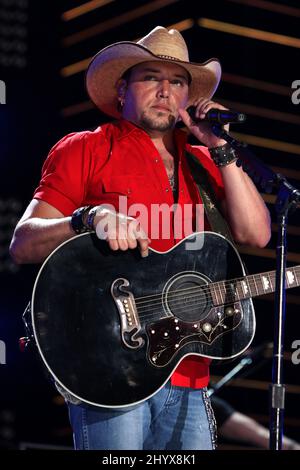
pixel 155 91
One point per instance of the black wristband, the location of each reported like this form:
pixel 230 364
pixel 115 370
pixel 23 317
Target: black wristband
pixel 77 220
pixel 90 218
pixel 223 155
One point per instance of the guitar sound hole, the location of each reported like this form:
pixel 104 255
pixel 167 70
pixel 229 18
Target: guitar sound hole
pixel 187 297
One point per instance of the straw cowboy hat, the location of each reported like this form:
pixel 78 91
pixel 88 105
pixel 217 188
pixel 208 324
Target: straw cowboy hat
pixel 108 66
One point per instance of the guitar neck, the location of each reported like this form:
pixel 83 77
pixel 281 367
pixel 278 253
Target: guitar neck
pixel 251 286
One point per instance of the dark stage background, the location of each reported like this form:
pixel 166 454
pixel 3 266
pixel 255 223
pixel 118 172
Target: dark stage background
pixel 45 47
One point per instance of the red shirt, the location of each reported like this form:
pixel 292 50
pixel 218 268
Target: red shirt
pixel 120 159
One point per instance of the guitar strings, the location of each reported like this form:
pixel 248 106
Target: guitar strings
pixel 157 307
pixel 176 297
pixel 230 297
pixel 178 309
pixel 180 293
pixel 191 301
pixel 208 288
pixel 200 298
pixel 158 312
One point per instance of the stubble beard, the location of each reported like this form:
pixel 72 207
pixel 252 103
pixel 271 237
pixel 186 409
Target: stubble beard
pixel 157 124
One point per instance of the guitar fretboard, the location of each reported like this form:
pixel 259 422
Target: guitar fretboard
pixel 251 286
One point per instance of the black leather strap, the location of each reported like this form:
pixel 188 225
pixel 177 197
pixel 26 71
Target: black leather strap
pixel 223 155
pixel 77 222
pixel 212 210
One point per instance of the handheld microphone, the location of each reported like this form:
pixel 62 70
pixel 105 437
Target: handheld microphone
pixel 221 116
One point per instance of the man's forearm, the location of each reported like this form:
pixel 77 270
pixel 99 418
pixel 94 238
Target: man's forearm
pixel 247 213
pixel 35 238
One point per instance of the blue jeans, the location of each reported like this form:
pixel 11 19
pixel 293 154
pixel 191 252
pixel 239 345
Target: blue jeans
pixel 175 418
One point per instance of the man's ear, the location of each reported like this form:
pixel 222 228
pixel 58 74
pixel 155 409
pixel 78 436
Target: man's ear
pixel 121 88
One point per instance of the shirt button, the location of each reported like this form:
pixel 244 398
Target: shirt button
pixel 156 160
pixel 167 189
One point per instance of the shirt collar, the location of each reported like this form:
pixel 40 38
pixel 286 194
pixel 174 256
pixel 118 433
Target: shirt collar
pixel 126 127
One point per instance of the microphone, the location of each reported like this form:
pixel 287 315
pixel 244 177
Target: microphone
pixel 221 116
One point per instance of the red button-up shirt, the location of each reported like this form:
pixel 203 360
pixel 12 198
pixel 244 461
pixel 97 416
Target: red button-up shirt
pixel 120 159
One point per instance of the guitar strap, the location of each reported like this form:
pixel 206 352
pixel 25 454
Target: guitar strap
pixel 211 206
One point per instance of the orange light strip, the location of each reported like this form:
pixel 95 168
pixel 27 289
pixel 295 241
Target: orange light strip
pixel 275 7
pixel 263 112
pixel 182 25
pixel 84 8
pixel 291 229
pixel 249 32
pixel 249 139
pixel 268 143
pixel 269 198
pixel 82 64
pixel 75 68
pixel 288 172
pixel 256 84
pixel 117 20
pixel 77 108
pixel 267 253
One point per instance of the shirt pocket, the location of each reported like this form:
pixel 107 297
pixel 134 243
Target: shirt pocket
pixel 133 186
pixel 130 195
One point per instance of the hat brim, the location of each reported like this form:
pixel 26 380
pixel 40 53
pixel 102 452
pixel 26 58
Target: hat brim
pixel 108 66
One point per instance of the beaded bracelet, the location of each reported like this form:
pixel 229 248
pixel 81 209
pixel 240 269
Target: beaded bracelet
pixel 223 155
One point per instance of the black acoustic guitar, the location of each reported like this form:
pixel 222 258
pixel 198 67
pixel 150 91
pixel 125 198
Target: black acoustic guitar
pixel 112 326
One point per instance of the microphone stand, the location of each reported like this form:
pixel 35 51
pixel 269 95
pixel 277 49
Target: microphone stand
pixel 246 361
pixel 288 199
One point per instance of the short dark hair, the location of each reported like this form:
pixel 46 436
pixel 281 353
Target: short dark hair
pixel 126 74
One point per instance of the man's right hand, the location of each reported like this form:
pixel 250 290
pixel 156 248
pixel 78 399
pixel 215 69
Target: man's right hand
pixel 120 231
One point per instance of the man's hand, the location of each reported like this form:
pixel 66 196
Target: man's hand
pixel 120 231
pixel 202 131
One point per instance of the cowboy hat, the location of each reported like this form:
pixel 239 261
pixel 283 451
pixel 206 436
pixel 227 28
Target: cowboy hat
pixel 108 66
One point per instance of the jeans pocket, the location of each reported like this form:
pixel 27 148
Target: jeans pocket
pixel 174 396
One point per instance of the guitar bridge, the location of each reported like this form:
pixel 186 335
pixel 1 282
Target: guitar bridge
pixel 129 321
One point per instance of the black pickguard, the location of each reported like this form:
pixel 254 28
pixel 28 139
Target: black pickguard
pixel 77 324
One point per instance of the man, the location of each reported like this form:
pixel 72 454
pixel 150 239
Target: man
pixel 148 85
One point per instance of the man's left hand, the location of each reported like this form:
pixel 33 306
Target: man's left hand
pixel 203 130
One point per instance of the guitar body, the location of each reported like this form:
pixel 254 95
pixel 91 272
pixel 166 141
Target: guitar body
pixel 112 326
